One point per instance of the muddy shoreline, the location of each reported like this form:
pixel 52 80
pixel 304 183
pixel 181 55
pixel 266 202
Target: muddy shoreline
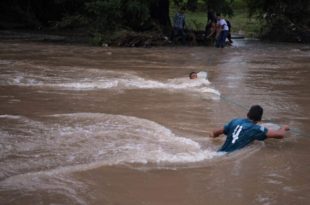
pixel 121 39
pixel 39 36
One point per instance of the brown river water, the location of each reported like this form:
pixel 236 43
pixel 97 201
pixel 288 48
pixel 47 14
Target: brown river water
pixel 125 126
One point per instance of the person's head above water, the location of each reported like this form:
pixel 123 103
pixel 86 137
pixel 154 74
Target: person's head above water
pixel 182 10
pixel 193 75
pixel 255 113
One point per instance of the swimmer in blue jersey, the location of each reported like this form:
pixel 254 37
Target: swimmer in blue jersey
pixel 242 131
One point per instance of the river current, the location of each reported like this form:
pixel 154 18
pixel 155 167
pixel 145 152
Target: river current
pixel 89 125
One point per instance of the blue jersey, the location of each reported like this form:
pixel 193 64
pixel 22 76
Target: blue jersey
pixel 241 132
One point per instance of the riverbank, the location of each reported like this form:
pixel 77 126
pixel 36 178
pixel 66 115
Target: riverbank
pixel 44 36
pixel 117 39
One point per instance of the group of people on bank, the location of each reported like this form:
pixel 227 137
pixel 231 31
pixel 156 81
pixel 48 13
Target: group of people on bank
pixel 217 29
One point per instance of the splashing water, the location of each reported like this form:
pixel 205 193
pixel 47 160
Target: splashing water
pixel 92 79
pixel 84 138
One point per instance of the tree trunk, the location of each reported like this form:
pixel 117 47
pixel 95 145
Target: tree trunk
pixel 192 5
pixel 160 14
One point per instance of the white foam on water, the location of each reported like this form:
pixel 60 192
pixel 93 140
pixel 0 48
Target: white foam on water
pixel 271 126
pixel 41 155
pixel 77 78
pixel 264 199
pixel 70 140
pixel 10 116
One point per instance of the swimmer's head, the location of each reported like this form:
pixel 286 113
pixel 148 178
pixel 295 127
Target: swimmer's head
pixel 255 113
pixel 193 75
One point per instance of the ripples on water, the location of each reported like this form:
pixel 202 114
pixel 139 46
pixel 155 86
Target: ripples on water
pixel 39 152
pixel 84 138
pixel 78 78
pixel 78 142
pixel 63 143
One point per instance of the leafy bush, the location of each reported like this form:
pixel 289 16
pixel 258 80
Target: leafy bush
pixel 114 14
pixel 136 14
pixel 284 20
pixel 97 39
pixel 104 14
pixel 74 21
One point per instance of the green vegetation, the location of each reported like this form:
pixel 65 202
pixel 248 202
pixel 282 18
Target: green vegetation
pixel 273 19
pixel 243 24
pixel 287 20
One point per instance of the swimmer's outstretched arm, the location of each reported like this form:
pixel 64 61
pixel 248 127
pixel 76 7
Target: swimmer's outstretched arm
pixel 278 134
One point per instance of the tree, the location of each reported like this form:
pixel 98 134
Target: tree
pixel 138 15
pixel 160 14
pixel 192 5
pixel 220 6
pixel 37 13
pixel 96 15
pixel 286 20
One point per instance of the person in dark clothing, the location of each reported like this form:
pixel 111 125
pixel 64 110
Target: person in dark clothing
pixel 210 32
pixel 211 16
pixel 178 26
pixel 229 31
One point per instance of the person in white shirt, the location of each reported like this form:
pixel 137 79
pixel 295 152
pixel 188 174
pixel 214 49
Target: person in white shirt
pixel 222 31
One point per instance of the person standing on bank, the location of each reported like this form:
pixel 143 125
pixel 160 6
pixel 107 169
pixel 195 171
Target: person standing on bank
pixel 222 31
pixel 179 25
pixel 229 32
pixel 211 16
pixel 241 132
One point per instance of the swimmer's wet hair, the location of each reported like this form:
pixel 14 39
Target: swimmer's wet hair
pixel 255 113
pixel 191 73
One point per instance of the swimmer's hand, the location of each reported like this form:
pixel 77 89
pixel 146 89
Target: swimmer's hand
pixel 278 134
pixel 216 133
pixel 210 134
pixel 285 128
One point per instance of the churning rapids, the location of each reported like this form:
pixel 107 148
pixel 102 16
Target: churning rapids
pixel 76 119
